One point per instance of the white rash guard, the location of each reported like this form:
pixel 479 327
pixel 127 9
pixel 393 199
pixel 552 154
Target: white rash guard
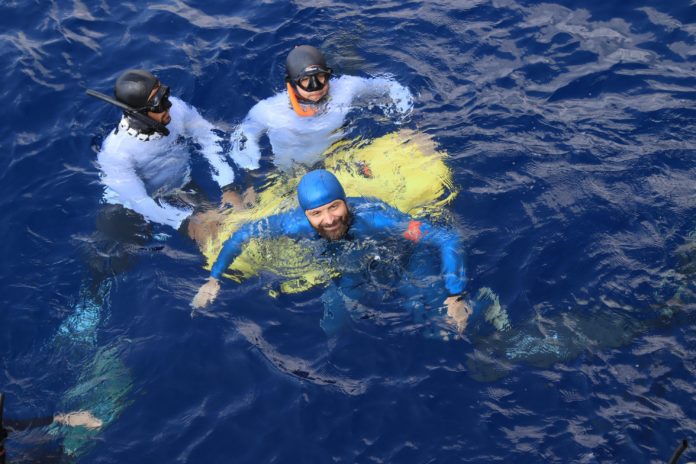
pixel 137 172
pixel 298 139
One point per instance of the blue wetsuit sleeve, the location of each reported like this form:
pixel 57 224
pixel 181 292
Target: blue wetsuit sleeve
pixel 232 248
pixel 451 255
pixel 421 232
pixel 292 224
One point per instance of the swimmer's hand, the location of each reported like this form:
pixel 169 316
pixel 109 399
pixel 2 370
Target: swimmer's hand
pixel 78 418
pixel 458 310
pixel 206 294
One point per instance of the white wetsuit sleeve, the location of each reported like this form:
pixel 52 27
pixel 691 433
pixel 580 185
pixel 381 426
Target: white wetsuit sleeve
pixel 246 151
pixel 398 98
pixel 203 133
pixel 128 189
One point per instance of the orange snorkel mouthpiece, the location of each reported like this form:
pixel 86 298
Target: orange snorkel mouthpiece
pixel 300 109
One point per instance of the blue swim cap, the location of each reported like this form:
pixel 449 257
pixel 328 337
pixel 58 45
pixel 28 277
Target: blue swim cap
pixel 317 188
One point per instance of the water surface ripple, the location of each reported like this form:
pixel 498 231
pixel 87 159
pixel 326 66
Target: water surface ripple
pixel 570 130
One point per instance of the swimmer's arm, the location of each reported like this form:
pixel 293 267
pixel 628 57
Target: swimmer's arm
pixel 447 241
pixel 284 224
pixel 246 151
pixel 399 97
pixel 210 142
pixel 120 176
pixel 289 224
pixel 452 270
pixel 451 255
pixel 233 248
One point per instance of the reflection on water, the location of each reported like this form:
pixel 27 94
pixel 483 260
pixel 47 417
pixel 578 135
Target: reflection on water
pixel 569 133
pixel 298 368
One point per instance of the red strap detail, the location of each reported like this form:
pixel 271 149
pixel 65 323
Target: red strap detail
pixel 413 233
pixel 365 170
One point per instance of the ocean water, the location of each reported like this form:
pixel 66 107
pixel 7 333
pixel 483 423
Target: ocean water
pixel 570 131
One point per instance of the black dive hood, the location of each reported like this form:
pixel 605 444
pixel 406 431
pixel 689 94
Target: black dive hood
pixel 131 112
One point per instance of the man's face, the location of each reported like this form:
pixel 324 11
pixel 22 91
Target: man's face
pixel 330 220
pixel 163 117
pixel 317 94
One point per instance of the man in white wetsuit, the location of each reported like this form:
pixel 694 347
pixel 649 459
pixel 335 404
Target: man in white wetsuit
pixel 307 119
pixel 145 161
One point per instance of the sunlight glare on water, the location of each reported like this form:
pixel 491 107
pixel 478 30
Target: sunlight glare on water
pixel 569 132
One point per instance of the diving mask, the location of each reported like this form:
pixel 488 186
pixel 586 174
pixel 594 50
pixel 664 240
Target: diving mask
pixel 159 103
pixel 313 78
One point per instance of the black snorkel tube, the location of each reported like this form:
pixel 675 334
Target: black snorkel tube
pixel 3 431
pixel 131 113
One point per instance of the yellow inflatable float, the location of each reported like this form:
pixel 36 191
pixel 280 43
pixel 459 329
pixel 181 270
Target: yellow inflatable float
pixel 403 169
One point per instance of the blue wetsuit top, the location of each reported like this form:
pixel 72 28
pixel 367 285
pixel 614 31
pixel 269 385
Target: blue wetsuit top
pixel 371 217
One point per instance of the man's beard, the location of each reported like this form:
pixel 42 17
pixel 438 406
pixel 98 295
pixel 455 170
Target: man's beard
pixel 338 233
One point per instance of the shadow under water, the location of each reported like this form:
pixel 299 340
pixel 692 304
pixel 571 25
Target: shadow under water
pixel 587 327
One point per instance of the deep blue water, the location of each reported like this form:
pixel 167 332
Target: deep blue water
pixel 571 135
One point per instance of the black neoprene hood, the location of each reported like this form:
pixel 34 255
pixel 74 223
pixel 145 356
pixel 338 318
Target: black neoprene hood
pixel 302 57
pixel 134 86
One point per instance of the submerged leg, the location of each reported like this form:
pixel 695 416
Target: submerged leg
pixel 202 226
pixel 336 316
pixel 422 295
pixel 92 402
pixel 425 301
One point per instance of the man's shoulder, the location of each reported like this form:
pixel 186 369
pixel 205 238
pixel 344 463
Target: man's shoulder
pixel 345 83
pixel 183 114
pixel 371 215
pixel 367 204
pixel 274 102
pixel 117 142
pixel 178 103
pixel 288 222
pixel 121 146
pixel 369 207
pixel 347 79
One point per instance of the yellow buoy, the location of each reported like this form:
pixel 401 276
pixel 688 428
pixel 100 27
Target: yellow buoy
pixel 403 169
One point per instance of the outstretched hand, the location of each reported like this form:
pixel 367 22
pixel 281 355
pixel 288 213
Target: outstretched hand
pixel 78 418
pixel 206 294
pixel 459 310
